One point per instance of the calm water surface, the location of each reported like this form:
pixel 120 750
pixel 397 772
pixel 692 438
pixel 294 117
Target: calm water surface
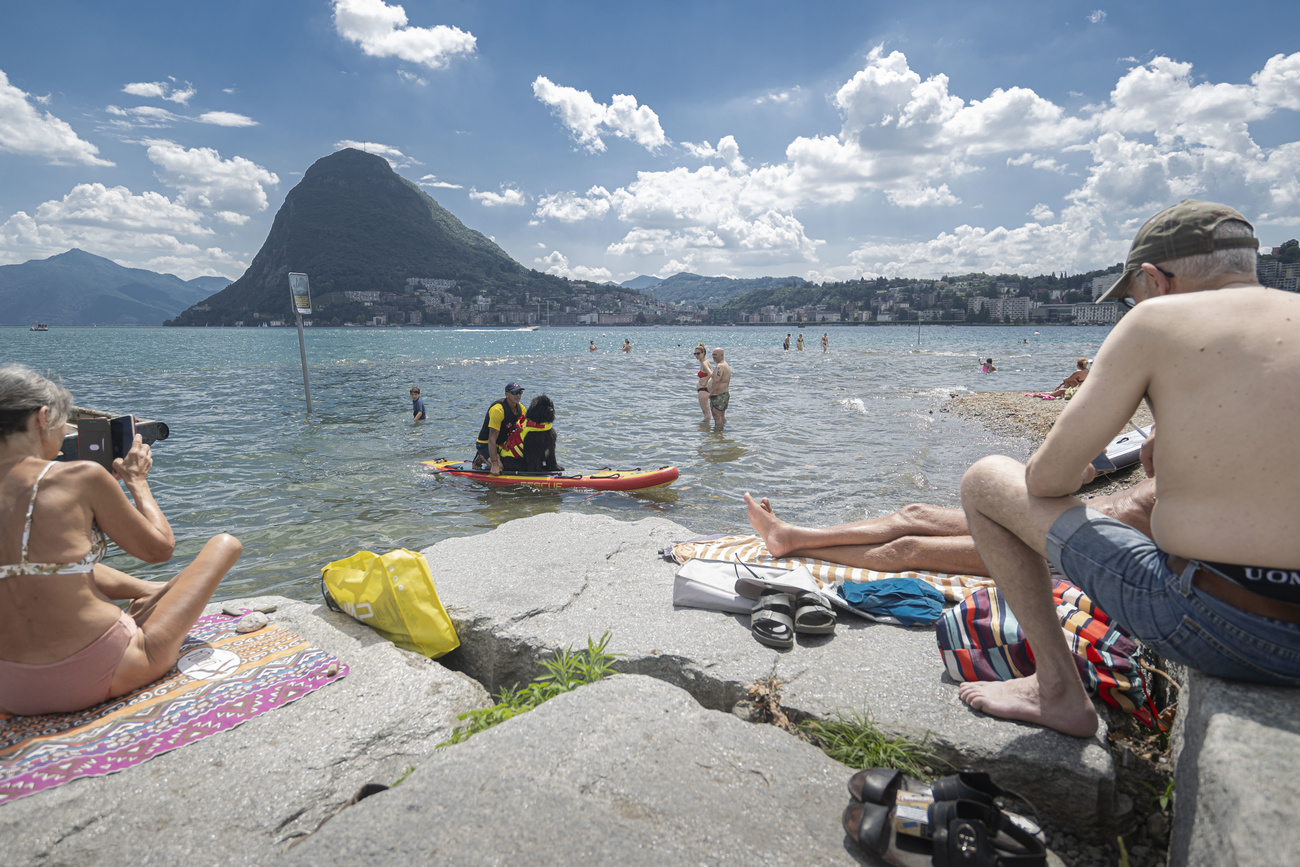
pixel 829 437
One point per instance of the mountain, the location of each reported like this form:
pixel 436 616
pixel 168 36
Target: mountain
pixel 353 224
pixel 641 283
pixel 712 291
pixel 79 288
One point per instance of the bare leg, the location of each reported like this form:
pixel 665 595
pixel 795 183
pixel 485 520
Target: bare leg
pixel 955 555
pixel 918 519
pixel 704 403
pixel 719 416
pixel 1010 527
pixel 173 611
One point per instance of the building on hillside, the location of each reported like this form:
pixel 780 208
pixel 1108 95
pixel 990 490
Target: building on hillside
pixel 1278 275
pixel 1098 285
pixel 1091 313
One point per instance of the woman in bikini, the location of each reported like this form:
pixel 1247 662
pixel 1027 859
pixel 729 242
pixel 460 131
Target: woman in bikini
pixel 702 379
pixel 64 645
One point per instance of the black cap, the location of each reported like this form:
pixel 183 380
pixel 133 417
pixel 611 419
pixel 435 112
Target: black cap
pixel 513 388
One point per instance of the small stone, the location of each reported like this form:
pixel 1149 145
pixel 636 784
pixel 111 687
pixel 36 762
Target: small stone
pixel 1157 827
pixel 265 607
pixel 251 622
pixel 332 670
pixel 234 609
pixel 747 710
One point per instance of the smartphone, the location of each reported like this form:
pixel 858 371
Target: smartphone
pixel 95 441
pixel 123 431
pixel 1103 464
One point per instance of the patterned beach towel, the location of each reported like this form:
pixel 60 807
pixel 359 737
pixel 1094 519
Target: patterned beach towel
pixel 750 549
pixel 221 680
pixel 980 639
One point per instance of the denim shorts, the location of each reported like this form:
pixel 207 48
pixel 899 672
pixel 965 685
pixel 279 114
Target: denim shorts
pixel 1127 576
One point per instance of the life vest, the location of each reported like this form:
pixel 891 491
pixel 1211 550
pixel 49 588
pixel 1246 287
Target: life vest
pixel 508 421
pixel 514 446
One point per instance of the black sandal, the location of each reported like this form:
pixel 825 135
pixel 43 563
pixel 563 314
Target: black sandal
pixel 771 622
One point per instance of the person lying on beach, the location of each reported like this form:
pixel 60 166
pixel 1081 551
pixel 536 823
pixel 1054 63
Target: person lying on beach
pixel 918 536
pixel 1217 586
pixel 64 645
pixel 1073 381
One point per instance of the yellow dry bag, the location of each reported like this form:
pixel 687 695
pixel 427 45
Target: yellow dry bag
pixel 394 595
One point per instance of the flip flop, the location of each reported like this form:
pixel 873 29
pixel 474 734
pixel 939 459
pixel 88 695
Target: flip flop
pixel 943 833
pixel 883 785
pixel 770 620
pixel 813 615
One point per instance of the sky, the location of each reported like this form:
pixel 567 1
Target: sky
pixel 603 141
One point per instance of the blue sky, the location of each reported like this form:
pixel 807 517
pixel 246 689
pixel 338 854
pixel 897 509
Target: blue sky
pixel 826 140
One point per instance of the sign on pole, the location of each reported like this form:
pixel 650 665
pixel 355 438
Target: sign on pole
pixel 300 293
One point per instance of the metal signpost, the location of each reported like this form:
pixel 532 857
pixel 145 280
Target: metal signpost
pixel 300 292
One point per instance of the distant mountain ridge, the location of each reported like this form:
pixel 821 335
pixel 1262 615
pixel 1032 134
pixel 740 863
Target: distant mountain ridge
pixel 709 291
pixel 352 224
pixel 80 288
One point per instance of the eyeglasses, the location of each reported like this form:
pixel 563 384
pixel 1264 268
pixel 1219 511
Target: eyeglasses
pixel 516 393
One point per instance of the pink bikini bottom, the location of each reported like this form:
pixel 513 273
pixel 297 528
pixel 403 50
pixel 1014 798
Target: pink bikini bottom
pixel 78 682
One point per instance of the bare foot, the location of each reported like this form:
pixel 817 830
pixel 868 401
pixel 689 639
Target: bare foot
pixel 766 524
pixel 1072 713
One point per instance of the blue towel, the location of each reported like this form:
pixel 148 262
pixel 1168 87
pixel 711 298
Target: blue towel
pixel 913 601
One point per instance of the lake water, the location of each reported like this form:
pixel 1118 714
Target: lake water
pixel 829 437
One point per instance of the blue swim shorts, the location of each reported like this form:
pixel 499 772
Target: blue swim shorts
pixel 1127 576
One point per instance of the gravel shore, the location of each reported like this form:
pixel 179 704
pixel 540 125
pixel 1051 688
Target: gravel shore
pixel 1012 414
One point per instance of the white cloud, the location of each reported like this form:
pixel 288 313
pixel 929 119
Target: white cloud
pixel 557 263
pixel 411 77
pixel 587 120
pixel 570 207
pixel 1097 16
pixel 432 181
pixel 24 130
pixel 508 196
pixel 1041 213
pixel 232 188
pixel 779 97
pixel 382 31
pixel 142 231
pixel 226 118
pixel 143 117
pixel 161 90
pixel 395 157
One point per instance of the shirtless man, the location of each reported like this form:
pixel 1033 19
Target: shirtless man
pixel 719 388
pixel 918 536
pixel 1215 354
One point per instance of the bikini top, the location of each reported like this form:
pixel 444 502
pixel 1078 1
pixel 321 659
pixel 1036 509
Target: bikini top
pixel 98 546
pixel 701 374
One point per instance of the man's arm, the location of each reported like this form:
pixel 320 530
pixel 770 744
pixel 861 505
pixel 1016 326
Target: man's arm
pixel 721 379
pixel 1107 399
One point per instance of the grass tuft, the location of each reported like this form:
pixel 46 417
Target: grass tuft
pixel 854 740
pixel 566 671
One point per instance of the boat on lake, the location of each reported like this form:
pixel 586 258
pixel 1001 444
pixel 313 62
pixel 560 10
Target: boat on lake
pixel 39 326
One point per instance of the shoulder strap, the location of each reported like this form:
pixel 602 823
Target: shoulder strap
pixel 31 504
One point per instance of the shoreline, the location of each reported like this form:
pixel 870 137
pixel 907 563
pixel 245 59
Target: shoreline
pixel 1012 414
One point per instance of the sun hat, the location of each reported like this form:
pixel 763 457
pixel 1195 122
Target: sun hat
pixel 1186 229
pixel 512 387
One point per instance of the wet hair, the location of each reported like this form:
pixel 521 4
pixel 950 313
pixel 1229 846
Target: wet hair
pixel 541 410
pixel 23 391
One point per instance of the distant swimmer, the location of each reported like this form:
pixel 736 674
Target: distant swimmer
pixel 627 345
pixel 799 343
pixel 987 366
pixel 786 346
pixel 825 342
pixel 592 346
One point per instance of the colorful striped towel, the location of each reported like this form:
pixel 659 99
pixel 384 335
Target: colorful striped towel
pixel 750 549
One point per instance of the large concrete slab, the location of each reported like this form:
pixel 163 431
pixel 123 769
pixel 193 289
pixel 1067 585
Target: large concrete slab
pixel 539 584
pixel 241 796
pixel 626 771
pixel 1237 774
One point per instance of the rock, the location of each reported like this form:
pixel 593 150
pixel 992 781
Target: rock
pixel 241 796
pixel 629 770
pixel 1236 750
pixel 237 609
pixel 587 574
pixel 1158 827
pixel 251 622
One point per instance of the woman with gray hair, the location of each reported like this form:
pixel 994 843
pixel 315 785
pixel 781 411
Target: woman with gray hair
pixel 64 645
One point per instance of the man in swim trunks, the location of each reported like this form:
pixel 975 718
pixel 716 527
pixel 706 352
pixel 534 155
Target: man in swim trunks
pixel 719 388
pixel 499 422
pixel 1214 354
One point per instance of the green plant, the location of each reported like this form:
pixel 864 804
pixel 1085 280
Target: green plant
pixel 406 773
pixel 1157 796
pixel 566 671
pixel 855 740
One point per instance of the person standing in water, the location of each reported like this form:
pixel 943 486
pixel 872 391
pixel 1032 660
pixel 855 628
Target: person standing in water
pixel 719 388
pixel 702 379
pixel 825 342
pixel 417 403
